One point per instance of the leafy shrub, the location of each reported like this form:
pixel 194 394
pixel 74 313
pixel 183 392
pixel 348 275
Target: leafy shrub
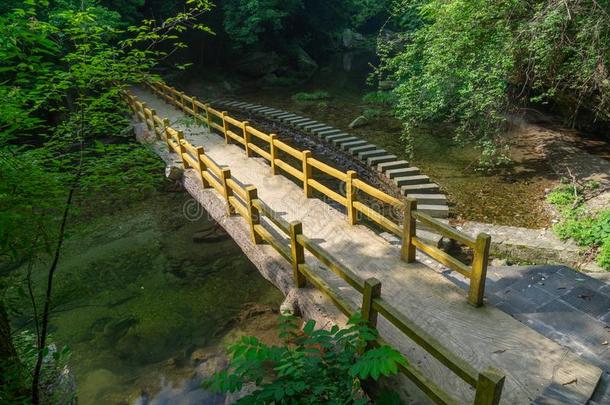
pixel 313 366
pixel 379 97
pixel 586 229
pixel 372 113
pixel 313 96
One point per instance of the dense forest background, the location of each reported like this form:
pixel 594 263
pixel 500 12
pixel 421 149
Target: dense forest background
pixel 66 153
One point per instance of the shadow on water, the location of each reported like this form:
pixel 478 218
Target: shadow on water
pixel 138 297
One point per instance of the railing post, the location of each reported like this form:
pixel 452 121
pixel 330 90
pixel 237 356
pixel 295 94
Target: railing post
pixel 350 196
pixel 226 175
pixel 306 173
pixel 407 250
pixel 194 108
pixel 182 105
pixel 202 166
pixel 246 134
pixel 153 124
pixel 479 270
pixel 182 149
pixel 273 153
pixel 251 195
pixel 297 252
pixel 166 134
pixel 143 112
pixel 224 127
pixel 489 387
pixel 372 290
pixel 207 117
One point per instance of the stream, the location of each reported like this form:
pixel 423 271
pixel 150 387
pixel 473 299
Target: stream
pixel 145 297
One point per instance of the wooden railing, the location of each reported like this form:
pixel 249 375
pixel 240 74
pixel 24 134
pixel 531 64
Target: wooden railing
pixel 290 242
pixel 303 169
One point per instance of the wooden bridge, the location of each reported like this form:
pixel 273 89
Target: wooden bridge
pixel 459 351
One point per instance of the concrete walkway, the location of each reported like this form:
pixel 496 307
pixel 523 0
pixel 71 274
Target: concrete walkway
pixel 538 369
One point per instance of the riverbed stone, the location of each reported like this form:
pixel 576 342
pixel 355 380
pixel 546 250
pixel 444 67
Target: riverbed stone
pixel 359 122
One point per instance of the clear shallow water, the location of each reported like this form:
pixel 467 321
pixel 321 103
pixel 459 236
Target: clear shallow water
pixel 135 296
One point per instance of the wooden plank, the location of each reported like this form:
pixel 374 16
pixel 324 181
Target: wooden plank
pixel 210 164
pixel 289 169
pixel 445 229
pixel 460 367
pixel 326 258
pixel 237 188
pixel 191 162
pixel 272 215
pixel 233 121
pixel 345 306
pixel 214 182
pixel 239 207
pixel 236 137
pixel 377 218
pixel 327 191
pixel 258 150
pixel 277 245
pixel 378 194
pixel 259 134
pixel 323 167
pixel 288 149
pixel 442 257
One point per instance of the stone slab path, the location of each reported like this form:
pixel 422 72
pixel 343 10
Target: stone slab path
pixel 538 369
pixel 567 306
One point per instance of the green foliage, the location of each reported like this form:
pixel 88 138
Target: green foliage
pixel 311 96
pixel 313 366
pixel 19 374
pixel 591 230
pixel 63 141
pixel 385 98
pixel 372 113
pixel 247 21
pixel 470 63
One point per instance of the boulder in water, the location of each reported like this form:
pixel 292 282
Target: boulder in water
pixel 359 122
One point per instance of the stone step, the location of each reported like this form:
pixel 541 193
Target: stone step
pixel 333 135
pixel 430 199
pixel 315 130
pixel 276 114
pixel 371 153
pixel 286 116
pixel 435 211
pixel 264 110
pixel 309 128
pixel 410 180
pixel 406 171
pixel 230 103
pixel 327 133
pixel 337 136
pixel 297 119
pixel 339 141
pixel 396 164
pixel 355 150
pixel 429 188
pixel 318 131
pixel 303 124
pixel 373 161
pixel 351 144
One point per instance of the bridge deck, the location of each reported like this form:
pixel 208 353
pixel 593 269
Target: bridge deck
pixel 537 369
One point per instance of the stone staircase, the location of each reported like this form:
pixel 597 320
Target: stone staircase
pixel 407 178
